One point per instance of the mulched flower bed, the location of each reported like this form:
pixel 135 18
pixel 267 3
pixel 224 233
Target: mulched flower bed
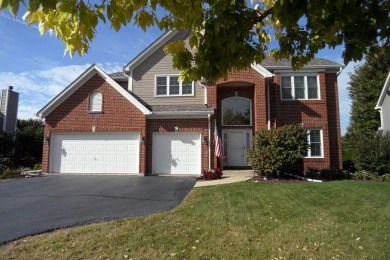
pixel 276 180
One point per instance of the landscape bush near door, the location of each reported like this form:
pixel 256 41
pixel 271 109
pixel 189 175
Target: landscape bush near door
pixel 278 149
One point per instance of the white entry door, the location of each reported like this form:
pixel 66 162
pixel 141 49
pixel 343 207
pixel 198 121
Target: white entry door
pixel 176 153
pixel 237 143
pixel 94 153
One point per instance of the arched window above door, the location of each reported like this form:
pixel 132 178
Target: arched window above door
pixel 236 111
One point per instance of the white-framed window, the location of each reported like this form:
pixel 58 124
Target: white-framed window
pixel 315 141
pixel 237 111
pixel 95 102
pixel 300 87
pixel 171 85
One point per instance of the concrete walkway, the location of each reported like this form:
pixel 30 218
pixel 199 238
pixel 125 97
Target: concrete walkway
pixel 229 176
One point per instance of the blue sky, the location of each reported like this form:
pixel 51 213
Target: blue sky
pixel 37 68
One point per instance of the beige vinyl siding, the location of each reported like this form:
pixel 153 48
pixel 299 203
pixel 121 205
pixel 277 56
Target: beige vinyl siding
pixel 160 64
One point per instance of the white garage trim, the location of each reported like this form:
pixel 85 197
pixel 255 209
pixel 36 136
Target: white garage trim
pixel 176 153
pixel 108 153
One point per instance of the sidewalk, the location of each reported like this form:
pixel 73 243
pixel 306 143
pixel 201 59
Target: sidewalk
pixel 229 176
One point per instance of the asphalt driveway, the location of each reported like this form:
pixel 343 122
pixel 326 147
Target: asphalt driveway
pixel 36 205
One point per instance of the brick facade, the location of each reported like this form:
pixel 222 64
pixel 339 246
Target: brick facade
pixel 314 114
pixel 118 115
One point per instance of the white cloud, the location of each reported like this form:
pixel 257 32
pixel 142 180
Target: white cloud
pixel 36 88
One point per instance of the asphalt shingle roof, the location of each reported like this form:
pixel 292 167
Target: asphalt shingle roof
pixel 118 75
pixel 271 62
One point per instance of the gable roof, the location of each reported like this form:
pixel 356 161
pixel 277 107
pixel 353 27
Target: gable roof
pixel 161 41
pixel 77 83
pixel 385 90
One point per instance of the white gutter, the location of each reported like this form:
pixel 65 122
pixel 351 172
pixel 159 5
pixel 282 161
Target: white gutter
pixel 173 113
pixel 208 143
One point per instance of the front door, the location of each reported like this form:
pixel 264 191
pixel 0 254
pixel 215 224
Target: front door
pixel 237 143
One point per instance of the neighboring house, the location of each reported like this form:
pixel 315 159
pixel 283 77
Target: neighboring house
pixel 9 110
pixel 145 120
pixel 383 105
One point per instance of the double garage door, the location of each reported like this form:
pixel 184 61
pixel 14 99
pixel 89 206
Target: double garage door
pixel 118 153
pixel 176 153
pixel 94 153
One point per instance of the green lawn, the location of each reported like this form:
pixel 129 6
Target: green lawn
pixel 343 220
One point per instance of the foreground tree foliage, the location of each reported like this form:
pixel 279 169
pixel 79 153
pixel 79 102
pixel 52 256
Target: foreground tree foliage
pixel 29 142
pixel 225 34
pixel 365 87
pixel 278 149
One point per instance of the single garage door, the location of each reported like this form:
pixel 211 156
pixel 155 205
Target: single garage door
pixel 176 153
pixel 94 153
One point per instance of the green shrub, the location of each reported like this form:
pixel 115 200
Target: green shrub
pixel 364 175
pixel 8 173
pixel 277 149
pixel 6 163
pixel 328 174
pixel 371 152
pixel 385 177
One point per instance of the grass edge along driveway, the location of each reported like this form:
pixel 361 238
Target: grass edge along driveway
pixel 345 219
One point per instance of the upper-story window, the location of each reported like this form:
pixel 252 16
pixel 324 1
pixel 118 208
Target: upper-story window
pixel 172 86
pixel 299 87
pixel 95 102
pixel 236 111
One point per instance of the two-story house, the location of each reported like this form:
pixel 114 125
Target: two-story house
pixel 145 120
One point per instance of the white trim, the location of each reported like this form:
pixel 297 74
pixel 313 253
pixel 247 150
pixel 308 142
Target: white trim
pixel 386 87
pixel 322 143
pixel 180 114
pixel 167 76
pixel 163 39
pixel 263 71
pixel 77 83
pixel 251 110
pixel 292 76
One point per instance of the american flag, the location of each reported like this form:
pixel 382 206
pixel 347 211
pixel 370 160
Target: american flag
pixel 218 143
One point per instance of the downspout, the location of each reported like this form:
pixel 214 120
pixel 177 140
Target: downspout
pixel 208 143
pixel 130 80
pixel 208 123
pixel 268 107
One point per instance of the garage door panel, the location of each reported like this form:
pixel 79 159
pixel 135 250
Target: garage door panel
pixel 176 153
pixel 95 152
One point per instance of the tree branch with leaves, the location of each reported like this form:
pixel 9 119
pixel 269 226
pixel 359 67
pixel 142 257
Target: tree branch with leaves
pixel 225 34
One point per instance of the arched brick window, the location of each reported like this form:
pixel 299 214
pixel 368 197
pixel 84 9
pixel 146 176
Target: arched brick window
pixel 95 102
pixel 237 111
